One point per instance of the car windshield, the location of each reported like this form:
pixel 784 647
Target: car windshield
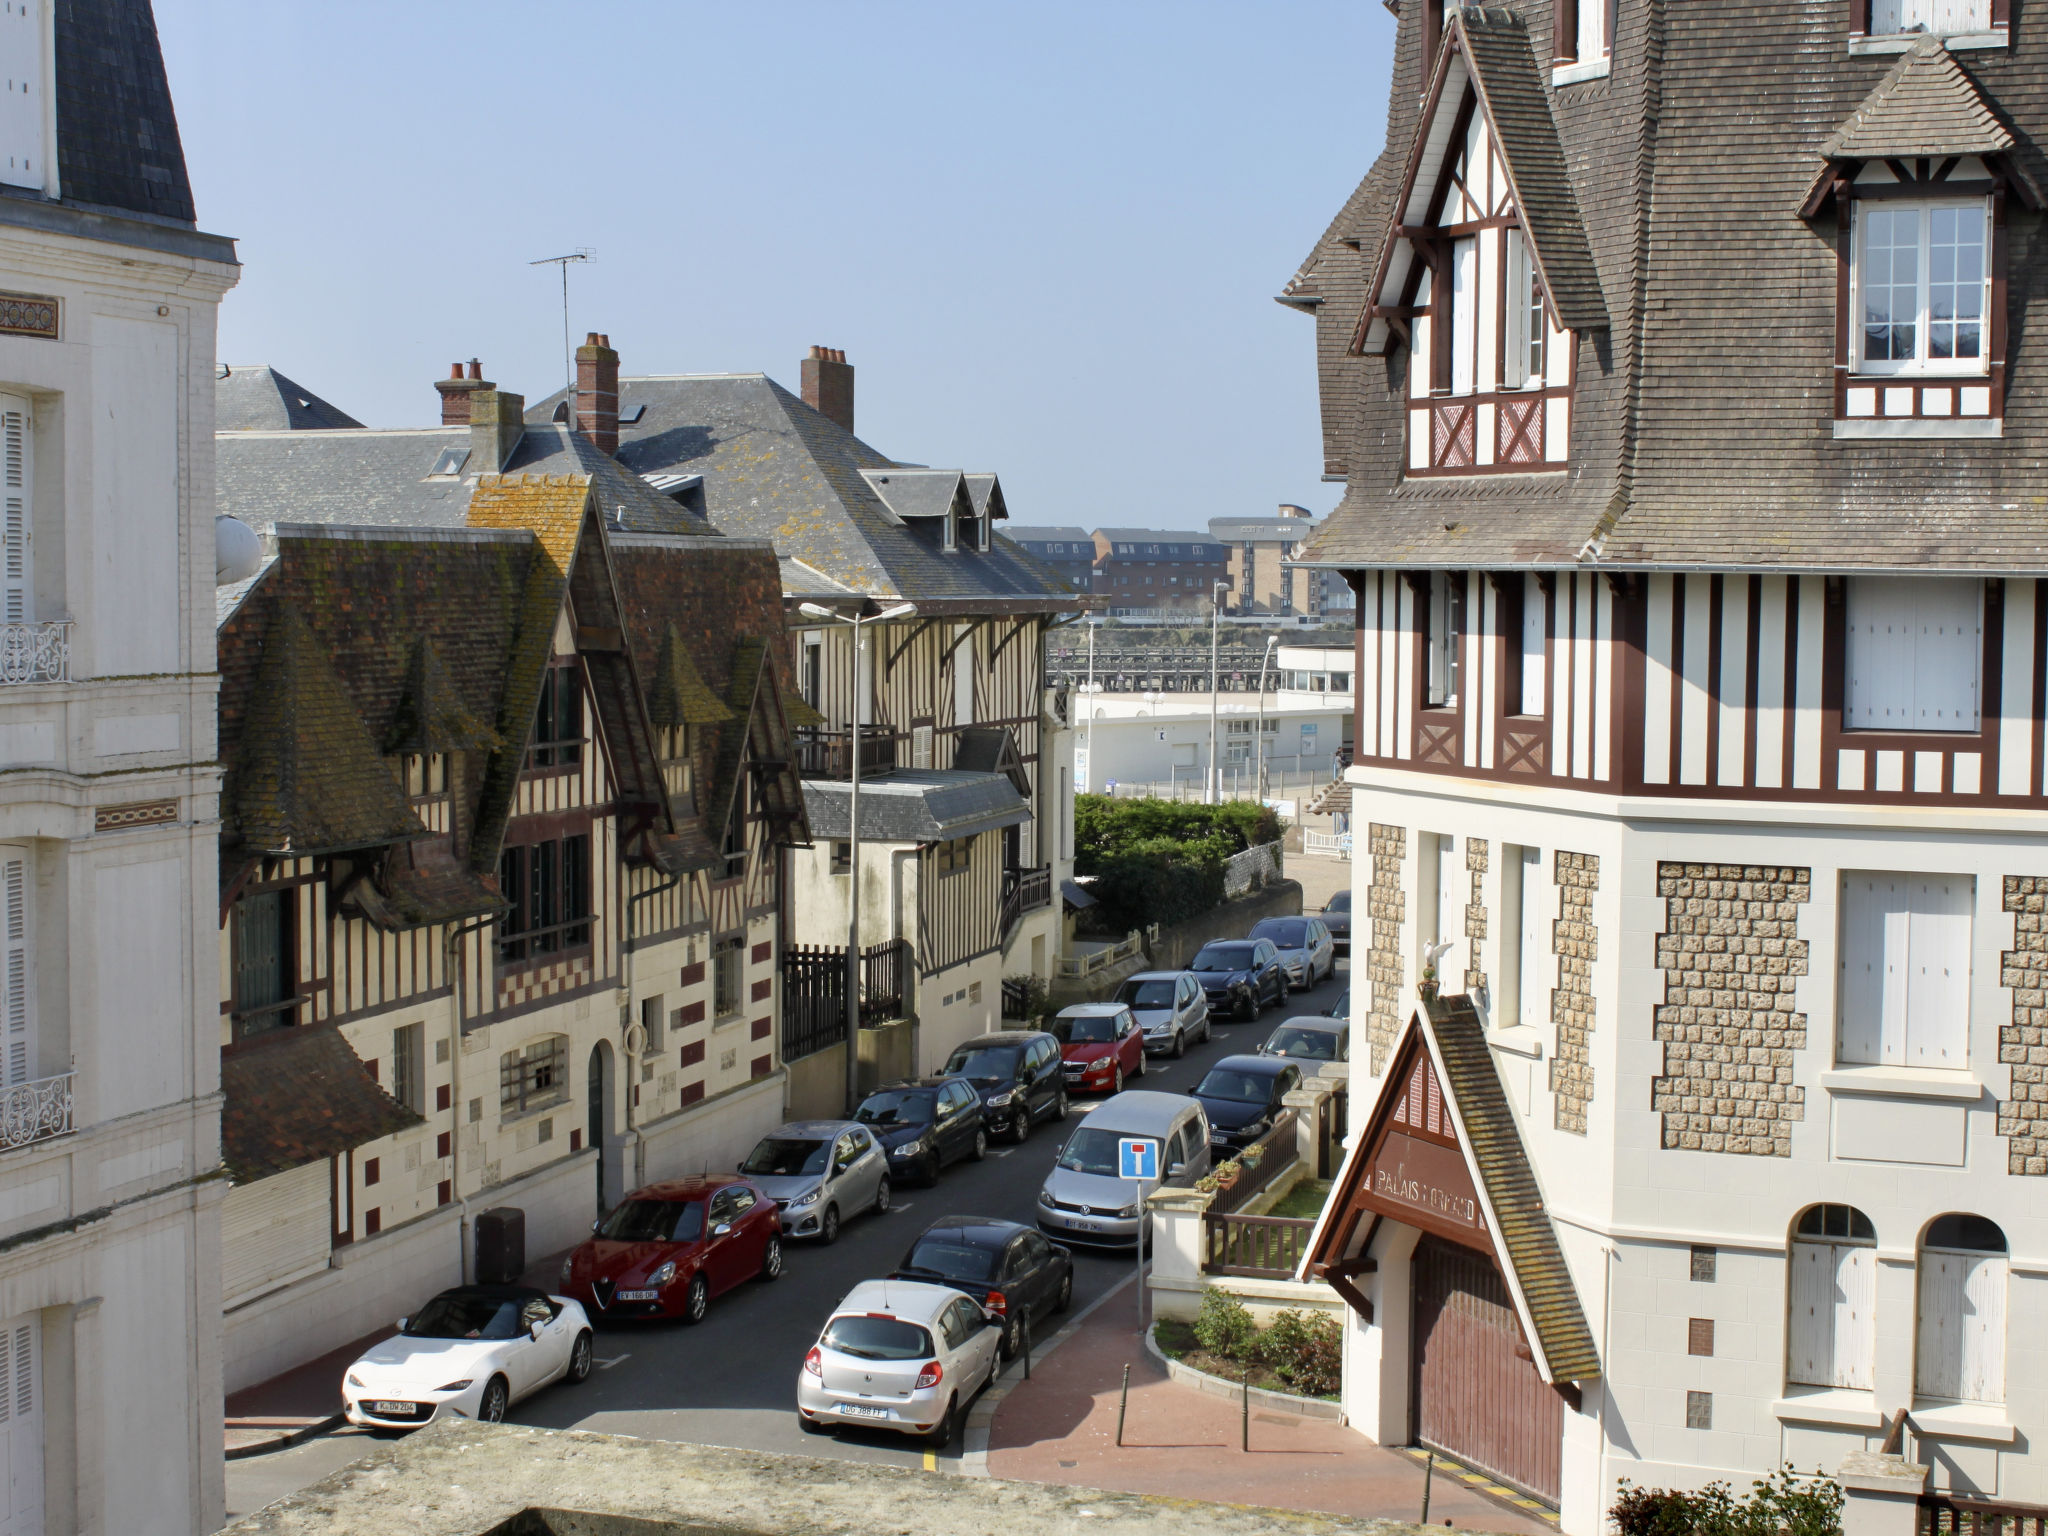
pixel 1341 902
pixel 1287 932
pixel 878 1338
pixel 1145 994
pixel 465 1317
pixel 984 1064
pixel 786 1159
pixel 895 1109
pixel 954 1261
pixel 1224 957
pixel 655 1221
pixel 1310 1044
pixel 1088 1028
pixel 1240 1087
pixel 1093 1150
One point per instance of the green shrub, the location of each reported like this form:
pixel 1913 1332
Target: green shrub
pixel 1223 1327
pixel 1785 1505
pixel 1304 1349
pixel 1281 1340
pixel 1160 861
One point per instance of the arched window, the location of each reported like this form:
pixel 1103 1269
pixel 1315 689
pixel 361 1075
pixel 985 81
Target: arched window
pixel 1833 1295
pixel 1961 1355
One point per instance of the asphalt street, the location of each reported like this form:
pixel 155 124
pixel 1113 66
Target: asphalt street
pixel 731 1380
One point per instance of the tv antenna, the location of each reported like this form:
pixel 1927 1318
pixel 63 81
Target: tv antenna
pixel 582 253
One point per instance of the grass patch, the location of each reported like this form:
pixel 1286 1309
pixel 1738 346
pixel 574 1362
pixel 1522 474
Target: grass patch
pixel 1305 1199
pixel 1176 1341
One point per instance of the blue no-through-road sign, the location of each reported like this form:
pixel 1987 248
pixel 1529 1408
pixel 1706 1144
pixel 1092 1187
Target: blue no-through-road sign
pixel 1138 1158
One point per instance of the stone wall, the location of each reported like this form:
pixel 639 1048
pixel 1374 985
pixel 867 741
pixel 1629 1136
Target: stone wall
pixel 1732 959
pixel 2023 1044
pixel 1387 909
pixel 1475 915
pixel 1576 943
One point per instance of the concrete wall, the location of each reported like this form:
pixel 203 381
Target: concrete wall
pixel 817 1085
pixel 1176 946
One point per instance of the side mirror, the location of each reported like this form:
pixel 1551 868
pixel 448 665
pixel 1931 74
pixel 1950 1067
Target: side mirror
pixel 533 1330
pixel 1176 1170
pixel 596 1224
pixel 402 1322
pixel 721 1229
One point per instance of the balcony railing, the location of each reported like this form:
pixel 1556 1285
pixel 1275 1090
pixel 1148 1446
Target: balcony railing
pixel 824 754
pixel 36 653
pixel 1024 890
pixel 814 992
pixel 35 1111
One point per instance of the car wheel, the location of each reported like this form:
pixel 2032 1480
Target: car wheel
pixel 811 1426
pixel 697 1301
pixel 941 1434
pixel 1007 1350
pixel 1116 1078
pixel 828 1229
pixel 1180 1045
pixel 1059 1106
pixel 771 1258
pixel 497 1397
pixel 1021 1131
pixel 1247 1007
pixel 579 1357
pixel 1141 1061
pixel 882 1198
pixel 1065 1299
pixel 980 1144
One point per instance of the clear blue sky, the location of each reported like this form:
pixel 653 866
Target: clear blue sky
pixel 1047 235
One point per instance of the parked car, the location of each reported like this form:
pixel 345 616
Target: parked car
pixel 1011 1270
pixel 819 1172
pixel 1241 975
pixel 1337 918
pixel 899 1355
pixel 924 1124
pixel 1085 1199
pixel 666 1250
pixel 1017 1073
pixel 1305 946
pixel 1171 1008
pixel 1310 1038
pixel 1241 1095
pixel 1341 1009
pixel 1099 1044
pixel 473 1351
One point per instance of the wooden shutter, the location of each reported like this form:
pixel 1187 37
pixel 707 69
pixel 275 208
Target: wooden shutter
pixel 1880 623
pixel 1811 1353
pixel 1867 902
pixel 21 1426
pixel 1855 1298
pixel 1961 1347
pixel 17 492
pixel 1464 314
pixel 17 1000
pixel 274 1231
pixel 1947 649
pixel 1937 983
pixel 21 102
pixel 1535 637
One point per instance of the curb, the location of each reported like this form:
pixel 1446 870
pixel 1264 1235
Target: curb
pixel 1479 1482
pixel 1262 1397
pixel 982 1416
pixel 286 1442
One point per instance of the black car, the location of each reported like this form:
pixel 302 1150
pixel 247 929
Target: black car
pixel 1337 918
pixel 1012 1270
pixel 1242 975
pixel 1017 1073
pixel 1241 1095
pixel 925 1124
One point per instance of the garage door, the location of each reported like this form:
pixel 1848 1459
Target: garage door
pixel 1476 1396
pixel 275 1231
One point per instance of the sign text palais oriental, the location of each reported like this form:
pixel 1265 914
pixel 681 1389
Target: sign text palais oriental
pixel 1426 1185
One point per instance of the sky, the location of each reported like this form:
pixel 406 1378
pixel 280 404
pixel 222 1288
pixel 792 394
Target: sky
pixel 1046 234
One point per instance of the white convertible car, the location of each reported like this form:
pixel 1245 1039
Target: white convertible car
pixel 473 1352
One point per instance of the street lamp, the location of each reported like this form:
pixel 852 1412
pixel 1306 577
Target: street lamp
pixel 1215 621
pixel 1259 774
pixel 814 611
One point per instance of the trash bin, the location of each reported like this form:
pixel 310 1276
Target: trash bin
pixel 500 1245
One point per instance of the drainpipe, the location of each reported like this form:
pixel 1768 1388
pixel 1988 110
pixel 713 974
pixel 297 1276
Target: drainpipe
pixel 632 1083
pixel 896 924
pixel 456 1101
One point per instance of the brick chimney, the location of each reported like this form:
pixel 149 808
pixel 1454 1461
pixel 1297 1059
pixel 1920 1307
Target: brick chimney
pixel 456 390
pixel 497 420
pixel 597 392
pixel 828 385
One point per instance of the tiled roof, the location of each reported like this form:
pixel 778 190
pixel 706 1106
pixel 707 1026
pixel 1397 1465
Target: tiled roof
pixel 676 691
pixel 250 397
pixel 1925 106
pixel 295 1096
pixel 431 716
pixel 917 805
pixel 1048 535
pixel 117 134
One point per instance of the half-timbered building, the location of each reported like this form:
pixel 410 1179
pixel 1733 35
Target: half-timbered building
pixel 1672 358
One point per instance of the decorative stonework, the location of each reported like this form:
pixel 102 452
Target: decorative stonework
pixel 29 314
pixel 1732 959
pixel 1387 909
pixel 2023 1044
pixel 1475 915
pixel 1576 943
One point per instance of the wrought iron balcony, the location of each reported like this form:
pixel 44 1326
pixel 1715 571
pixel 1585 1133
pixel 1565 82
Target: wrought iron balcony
pixel 36 653
pixel 35 1111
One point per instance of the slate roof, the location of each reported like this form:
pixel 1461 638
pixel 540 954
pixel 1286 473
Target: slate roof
pixel 1041 534
pixel 117 134
pixel 250 397
pixel 1925 106
pixel 295 1096
pixel 917 805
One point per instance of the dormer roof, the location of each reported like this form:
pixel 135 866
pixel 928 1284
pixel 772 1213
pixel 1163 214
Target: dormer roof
pixel 915 493
pixel 1925 105
pixel 431 716
pixel 677 694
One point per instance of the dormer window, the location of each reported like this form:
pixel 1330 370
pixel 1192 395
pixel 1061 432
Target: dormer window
pixel 1921 287
pixel 1582 40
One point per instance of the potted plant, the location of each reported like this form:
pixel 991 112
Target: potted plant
pixel 1252 1155
pixel 1227 1175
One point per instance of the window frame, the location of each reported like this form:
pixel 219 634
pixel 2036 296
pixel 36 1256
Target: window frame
pixel 1899 1043
pixel 1863 23
pixel 409 1066
pixel 560 723
pixel 728 976
pixel 1852 1239
pixel 1921 366
pixel 1982 663
pixel 549 882
pixel 249 1017
pixel 533 1076
pixel 1991 1273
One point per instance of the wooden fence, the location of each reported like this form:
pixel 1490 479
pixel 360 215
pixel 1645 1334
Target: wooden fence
pixel 814 992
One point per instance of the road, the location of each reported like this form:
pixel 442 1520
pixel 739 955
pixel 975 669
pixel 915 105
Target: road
pixel 731 1381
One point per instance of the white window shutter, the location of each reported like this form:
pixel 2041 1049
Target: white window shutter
pixel 1464 314
pixel 1939 1365
pixel 1855 1271
pixel 17 491
pixel 1947 649
pixel 1537 966
pixel 1450 901
pixel 1984 1330
pixel 1937 1007
pixel 1535 634
pixel 21 1427
pixel 1811 1354
pixel 1860 993
pixel 21 95
pixel 963 675
pixel 17 999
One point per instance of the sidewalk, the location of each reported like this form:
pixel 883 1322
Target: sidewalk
pixel 1060 1427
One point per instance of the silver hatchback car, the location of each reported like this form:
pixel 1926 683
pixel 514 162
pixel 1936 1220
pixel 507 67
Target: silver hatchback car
pixel 819 1172
pixel 1084 1200
pixel 1172 1009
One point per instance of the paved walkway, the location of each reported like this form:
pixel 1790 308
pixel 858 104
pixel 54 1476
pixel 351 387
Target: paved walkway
pixel 1060 1427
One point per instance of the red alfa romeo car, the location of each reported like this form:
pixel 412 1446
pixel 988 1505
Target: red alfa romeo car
pixel 666 1250
pixel 1100 1045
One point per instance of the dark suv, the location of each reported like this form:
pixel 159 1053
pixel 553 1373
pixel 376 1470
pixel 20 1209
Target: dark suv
pixel 925 1124
pixel 1017 1073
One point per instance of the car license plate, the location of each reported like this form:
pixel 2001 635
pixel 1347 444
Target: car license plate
pixel 639 1295
pixel 864 1410
pixel 1084 1226
pixel 401 1410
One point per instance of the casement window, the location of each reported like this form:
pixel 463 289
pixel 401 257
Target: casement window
pixel 677 746
pixel 558 723
pixel 728 958
pixel 261 949
pixel 1920 287
pixel 963 674
pixel 1444 886
pixel 1942 18
pixel 18 1001
pixel 1960 1353
pixel 1904 992
pixel 953 856
pixel 1528 903
pixel 1443 630
pixel 1832 1299
pixel 17 486
pixel 1914 654
pixel 426 775
pixel 409 1066
pixel 548 884
pixel 1524 354
pixel 534 1077
pixel 1523 616
pixel 21 1410
pixel 652 1026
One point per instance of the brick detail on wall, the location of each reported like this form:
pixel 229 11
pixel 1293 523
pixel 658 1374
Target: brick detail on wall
pixel 1732 959
pixel 1576 943
pixel 1475 915
pixel 2023 1044
pixel 1387 909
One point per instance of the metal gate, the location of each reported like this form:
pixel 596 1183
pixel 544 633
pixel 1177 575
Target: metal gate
pixel 1477 1395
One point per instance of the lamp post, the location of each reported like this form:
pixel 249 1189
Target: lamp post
pixel 1259 775
pixel 1215 624
pixel 1089 700
pixel 814 611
